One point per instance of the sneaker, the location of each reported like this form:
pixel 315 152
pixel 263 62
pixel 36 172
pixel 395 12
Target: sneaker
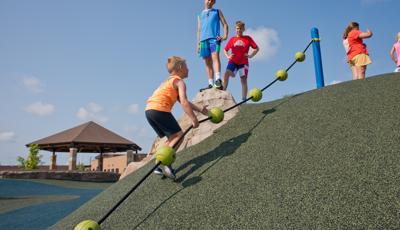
pixel 218 84
pixel 158 171
pixel 169 172
pixel 208 87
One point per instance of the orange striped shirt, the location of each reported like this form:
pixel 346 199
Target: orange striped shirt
pixel 356 44
pixel 164 98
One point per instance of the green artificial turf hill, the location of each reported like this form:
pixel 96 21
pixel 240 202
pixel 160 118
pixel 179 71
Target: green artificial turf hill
pixel 327 158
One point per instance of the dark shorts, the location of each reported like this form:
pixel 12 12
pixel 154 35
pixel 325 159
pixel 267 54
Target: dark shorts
pixel 243 69
pixel 163 123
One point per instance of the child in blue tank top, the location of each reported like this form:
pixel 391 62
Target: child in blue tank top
pixel 209 40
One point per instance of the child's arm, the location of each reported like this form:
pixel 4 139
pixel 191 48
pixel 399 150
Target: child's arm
pixel 186 105
pixel 255 51
pixel 225 24
pixel 227 54
pixel 367 34
pixel 392 55
pixel 255 48
pixel 198 35
pixel 202 110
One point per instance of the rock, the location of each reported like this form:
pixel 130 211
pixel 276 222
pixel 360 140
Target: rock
pixel 211 98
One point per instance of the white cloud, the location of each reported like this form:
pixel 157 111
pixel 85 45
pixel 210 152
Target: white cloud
pixel 334 82
pixel 133 109
pixel 7 136
pixel 32 83
pixel 82 113
pixel 95 108
pixel 91 112
pixel 40 109
pixel 267 40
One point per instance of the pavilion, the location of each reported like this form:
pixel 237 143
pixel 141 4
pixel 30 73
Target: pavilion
pixel 85 138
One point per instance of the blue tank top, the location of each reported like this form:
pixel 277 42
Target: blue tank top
pixel 209 24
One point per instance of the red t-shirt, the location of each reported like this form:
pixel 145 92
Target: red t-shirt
pixel 239 47
pixel 356 45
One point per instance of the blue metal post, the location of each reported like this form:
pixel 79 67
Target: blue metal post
pixel 319 74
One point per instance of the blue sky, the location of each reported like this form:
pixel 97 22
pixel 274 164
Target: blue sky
pixel 63 63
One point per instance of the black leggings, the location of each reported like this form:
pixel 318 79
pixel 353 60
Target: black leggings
pixel 163 123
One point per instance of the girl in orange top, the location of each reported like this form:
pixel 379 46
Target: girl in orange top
pixel 357 53
pixel 159 106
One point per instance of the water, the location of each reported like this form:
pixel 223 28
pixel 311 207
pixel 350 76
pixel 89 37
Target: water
pixel 40 216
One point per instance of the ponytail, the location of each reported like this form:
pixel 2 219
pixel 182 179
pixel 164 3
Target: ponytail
pixel 349 28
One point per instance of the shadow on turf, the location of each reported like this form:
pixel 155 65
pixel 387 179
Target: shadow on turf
pixel 226 148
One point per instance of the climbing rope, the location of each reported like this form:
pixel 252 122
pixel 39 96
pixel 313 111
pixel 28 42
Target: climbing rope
pixel 181 138
pixel 275 80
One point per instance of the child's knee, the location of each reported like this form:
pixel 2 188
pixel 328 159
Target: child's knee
pixel 208 61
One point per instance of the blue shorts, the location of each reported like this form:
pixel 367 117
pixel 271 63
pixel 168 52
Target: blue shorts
pixel 163 123
pixel 243 69
pixel 209 46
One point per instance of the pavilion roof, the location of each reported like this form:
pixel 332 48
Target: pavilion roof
pixel 87 137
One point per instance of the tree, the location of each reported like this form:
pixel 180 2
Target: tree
pixel 33 159
pixel 80 166
pixel 21 161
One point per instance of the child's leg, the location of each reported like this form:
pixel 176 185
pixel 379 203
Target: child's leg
pixel 205 53
pixel 243 80
pixel 361 71
pixel 209 69
pixel 217 64
pixel 355 72
pixel 228 73
pixel 215 47
pixel 174 138
pixel 243 71
pixel 231 69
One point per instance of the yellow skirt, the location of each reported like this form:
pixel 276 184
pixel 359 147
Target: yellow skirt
pixel 360 60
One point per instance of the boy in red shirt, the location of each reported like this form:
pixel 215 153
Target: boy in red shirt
pixel 239 57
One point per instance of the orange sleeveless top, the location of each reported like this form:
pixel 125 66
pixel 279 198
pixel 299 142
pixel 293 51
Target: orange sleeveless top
pixel 164 98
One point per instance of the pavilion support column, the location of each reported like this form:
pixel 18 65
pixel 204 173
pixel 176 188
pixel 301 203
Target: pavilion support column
pixel 72 159
pixel 53 161
pixel 101 161
pixel 129 157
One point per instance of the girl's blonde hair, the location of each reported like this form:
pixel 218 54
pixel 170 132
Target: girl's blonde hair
pixel 398 37
pixel 174 63
pixel 239 24
pixel 351 26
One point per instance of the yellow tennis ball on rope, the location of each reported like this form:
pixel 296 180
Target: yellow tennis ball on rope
pixel 300 56
pixel 281 75
pixel 88 225
pixel 255 94
pixel 166 155
pixel 216 114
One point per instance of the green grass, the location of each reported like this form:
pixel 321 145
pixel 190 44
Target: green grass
pixel 324 159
